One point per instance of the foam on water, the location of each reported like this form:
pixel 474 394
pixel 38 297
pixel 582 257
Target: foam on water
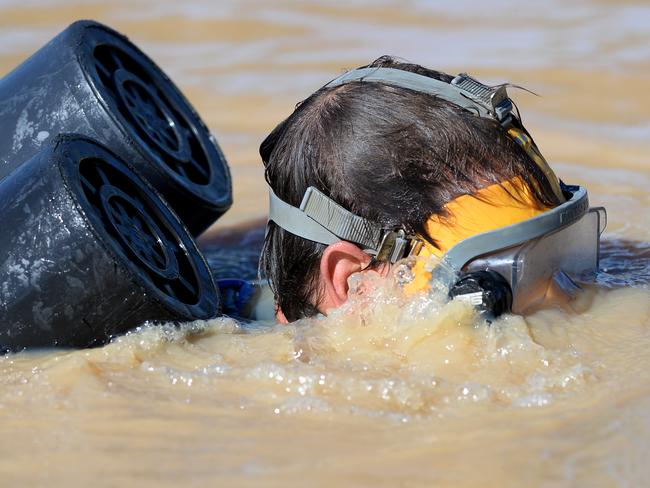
pixel 384 353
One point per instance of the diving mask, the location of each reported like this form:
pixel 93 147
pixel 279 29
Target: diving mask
pixel 502 268
pixel 514 268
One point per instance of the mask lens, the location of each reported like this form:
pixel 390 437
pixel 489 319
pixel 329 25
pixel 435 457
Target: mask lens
pixel 530 268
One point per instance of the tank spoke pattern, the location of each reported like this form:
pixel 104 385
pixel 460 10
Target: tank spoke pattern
pixel 134 224
pixel 116 59
pixel 88 185
pixel 103 176
pixel 137 238
pixel 180 169
pixel 187 285
pixel 153 114
pixel 103 70
pixel 199 168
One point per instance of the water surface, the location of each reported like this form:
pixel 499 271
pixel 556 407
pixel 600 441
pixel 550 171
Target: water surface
pixel 388 391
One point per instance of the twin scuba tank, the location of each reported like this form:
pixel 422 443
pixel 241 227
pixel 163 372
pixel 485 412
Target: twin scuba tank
pixel 106 175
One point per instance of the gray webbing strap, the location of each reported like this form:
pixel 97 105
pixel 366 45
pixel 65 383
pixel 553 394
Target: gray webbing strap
pixel 463 91
pixel 341 222
pixel 296 222
pixel 320 219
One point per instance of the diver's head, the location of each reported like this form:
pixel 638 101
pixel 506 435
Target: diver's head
pixel 389 155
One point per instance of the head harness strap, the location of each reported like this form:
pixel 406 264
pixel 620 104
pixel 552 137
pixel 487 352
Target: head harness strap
pixel 464 91
pixel 320 219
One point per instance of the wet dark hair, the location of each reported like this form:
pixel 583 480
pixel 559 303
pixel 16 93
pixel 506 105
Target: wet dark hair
pixel 389 154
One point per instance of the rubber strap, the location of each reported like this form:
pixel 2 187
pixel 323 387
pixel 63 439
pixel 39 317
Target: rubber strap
pixel 296 222
pixel 414 81
pixel 321 219
pixel 529 146
pixel 341 222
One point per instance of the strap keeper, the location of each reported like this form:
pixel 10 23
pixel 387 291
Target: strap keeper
pixel 396 245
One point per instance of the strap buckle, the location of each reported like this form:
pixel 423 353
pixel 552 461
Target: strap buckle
pixel 396 245
pixel 494 99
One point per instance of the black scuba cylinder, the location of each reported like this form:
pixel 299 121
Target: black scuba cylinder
pixel 487 290
pixel 89 250
pixel 92 80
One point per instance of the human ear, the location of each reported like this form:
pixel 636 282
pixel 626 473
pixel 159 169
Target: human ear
pixel 339 261
pixel 280 317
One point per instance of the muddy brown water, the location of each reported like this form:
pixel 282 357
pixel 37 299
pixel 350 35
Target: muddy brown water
pixel 387 391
